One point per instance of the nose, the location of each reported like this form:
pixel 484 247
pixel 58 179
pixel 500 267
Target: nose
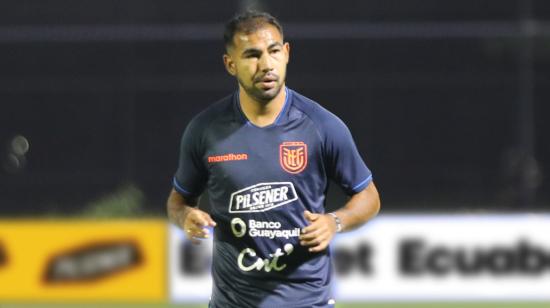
pixel 265 63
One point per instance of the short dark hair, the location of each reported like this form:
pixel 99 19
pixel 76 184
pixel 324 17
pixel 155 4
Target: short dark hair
pixel 248 22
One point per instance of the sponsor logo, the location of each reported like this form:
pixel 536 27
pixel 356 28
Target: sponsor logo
pixel 92 262
pixel 238 227
pixel 195 260
pixel 266 229
pixel 3 255
pixel 262 197
pixel 354 259
pixel 524 258
pixel 227 157
pixel 268 264
pixel 293 156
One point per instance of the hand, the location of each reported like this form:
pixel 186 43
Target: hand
pixel 318 234
pixel 195 224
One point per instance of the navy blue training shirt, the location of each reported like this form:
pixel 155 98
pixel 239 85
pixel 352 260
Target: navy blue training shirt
pixel 260 180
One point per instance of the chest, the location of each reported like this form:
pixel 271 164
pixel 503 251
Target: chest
pixel 243 155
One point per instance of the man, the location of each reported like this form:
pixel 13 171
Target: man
pixel 266 154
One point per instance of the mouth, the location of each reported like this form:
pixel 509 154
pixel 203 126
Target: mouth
pixel 268 81
pixel 268 84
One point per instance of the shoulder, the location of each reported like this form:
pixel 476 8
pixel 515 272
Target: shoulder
pixel 218 111
pixel 325 121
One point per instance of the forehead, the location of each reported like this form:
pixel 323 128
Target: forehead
pixel 265 35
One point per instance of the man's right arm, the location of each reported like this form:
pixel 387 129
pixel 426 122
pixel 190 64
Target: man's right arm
pixel 183 212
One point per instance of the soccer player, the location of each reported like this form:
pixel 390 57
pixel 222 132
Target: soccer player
pixel 265 155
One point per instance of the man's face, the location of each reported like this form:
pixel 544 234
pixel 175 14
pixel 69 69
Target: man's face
pixel 258 61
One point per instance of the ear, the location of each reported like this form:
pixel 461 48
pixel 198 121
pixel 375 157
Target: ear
pixel 229 64
pixel 286 47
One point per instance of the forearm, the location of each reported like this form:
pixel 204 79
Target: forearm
pixel 178 207
pixel 360 208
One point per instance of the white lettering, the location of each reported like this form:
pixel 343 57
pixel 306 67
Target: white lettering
pixel 262 197
pixel 256 198
pixel 266 264
pixel 268 229
pixel 271 234
pixel 264 224
pixel 284 193
pixel 240 200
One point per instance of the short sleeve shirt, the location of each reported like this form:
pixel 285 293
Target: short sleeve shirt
pixel 260 180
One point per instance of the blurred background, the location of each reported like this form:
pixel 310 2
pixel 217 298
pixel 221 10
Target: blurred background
pixel 447 100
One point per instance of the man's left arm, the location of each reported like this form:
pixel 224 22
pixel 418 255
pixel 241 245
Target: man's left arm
pixel 359 209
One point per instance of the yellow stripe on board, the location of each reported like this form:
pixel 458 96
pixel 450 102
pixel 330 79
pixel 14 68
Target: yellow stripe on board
pixel 83 260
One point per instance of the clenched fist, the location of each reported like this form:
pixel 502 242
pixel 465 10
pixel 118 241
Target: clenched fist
pixel 195 225
pixel 320 231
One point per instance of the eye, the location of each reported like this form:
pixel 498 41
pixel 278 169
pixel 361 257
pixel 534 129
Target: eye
pixel 276 50
pixel 252 55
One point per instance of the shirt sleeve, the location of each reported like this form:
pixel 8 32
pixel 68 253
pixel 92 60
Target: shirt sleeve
pixel 191 175
pixel 342 159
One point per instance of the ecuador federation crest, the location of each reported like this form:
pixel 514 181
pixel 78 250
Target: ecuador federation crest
pixel 293 156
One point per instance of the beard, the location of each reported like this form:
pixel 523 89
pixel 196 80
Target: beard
pixel 259 94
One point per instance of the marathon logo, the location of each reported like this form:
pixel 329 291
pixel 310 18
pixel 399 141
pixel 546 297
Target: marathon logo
pixel 227 157
pixel 262 197
pixel 92 262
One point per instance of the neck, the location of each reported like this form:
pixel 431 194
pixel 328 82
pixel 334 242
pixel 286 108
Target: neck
pixel 262 113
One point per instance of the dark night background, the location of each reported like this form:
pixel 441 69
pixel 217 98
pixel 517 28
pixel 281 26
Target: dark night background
pixel 447 100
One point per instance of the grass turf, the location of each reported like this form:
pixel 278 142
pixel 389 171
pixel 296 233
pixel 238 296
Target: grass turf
pixel 342 305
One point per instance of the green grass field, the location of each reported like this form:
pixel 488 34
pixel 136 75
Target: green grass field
pixel 343 305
